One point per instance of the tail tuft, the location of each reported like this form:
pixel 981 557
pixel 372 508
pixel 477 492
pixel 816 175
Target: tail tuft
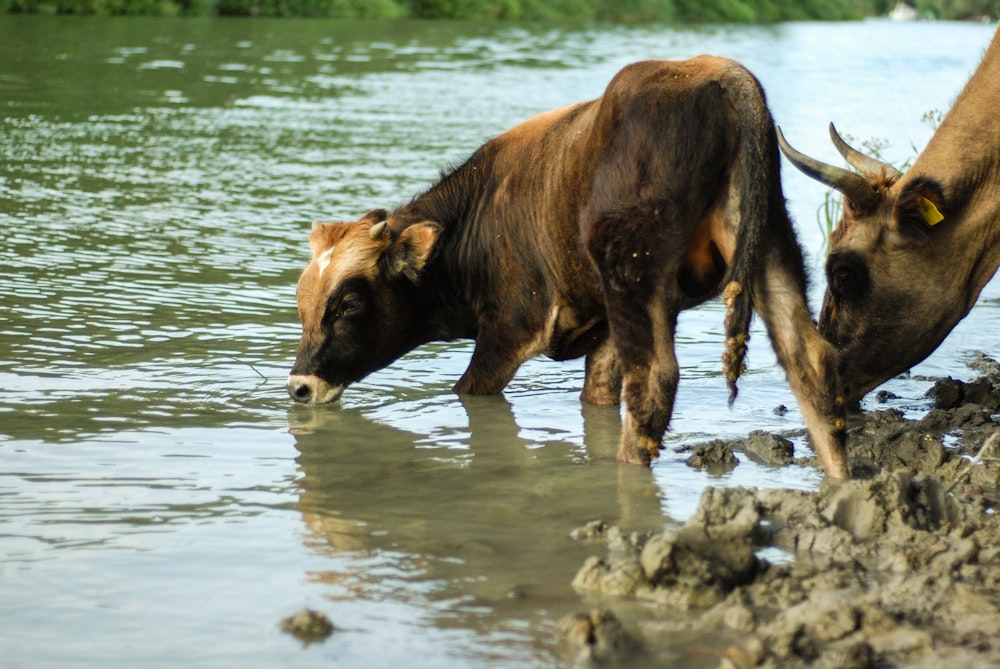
pixel 738 313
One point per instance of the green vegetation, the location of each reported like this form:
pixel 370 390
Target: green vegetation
pixel 675 11
pixel 964 10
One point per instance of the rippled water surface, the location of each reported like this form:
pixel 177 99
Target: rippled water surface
pixel 161 501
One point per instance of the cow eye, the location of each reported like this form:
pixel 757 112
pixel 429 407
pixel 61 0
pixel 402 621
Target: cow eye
pixel 843 277
pixel 848 276
pixel 351 306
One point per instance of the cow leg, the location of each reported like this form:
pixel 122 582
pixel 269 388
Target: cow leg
pixel 810 364
pixel 642 315
pixel 643 334
pixel 488 373
pixel 494 362
pixel 642 331
pixel 602 383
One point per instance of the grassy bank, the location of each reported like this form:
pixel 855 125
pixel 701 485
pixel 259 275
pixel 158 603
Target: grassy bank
pixel 674 11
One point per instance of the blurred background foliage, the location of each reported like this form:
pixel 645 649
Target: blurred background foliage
pixel 673 11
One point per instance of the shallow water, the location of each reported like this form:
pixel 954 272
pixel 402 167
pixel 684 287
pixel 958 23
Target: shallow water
pixel 161 501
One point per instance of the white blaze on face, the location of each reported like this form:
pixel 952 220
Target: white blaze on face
pixel 341 252
pixel 323 261
pixel 354 258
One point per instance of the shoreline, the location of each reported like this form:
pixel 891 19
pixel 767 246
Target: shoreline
pixel 898 567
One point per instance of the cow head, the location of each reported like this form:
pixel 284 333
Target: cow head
pixel 883 309
pixel 356 302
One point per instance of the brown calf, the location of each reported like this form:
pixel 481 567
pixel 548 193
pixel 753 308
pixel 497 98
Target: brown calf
pixel 584 231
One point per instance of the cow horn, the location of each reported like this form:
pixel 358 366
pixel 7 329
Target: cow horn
pixel 854 186
pixel 377 230
pixel 859 161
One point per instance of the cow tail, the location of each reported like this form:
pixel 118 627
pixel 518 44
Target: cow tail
pixel 738 313
pixel 759 184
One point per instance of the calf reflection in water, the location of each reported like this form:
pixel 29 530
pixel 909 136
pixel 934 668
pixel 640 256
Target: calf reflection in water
pixel 483 519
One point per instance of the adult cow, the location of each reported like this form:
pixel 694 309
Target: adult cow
pixel 584 231
pixel 912 252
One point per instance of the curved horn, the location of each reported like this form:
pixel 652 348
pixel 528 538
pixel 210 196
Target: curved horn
pixel 859 161
pixel 377 230
pixel 854 186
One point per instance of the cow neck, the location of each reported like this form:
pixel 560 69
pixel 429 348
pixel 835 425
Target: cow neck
pixel 967 143
pixel 964 156
pixel 451 203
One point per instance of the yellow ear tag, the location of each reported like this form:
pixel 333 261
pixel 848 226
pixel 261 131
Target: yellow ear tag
pixel 929 211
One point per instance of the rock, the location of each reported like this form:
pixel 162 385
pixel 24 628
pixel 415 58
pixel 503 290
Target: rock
pixel 858 655
pixel 947 393
pixel 884 396
pixel 594 530
pixel 986 475
pixel 746 656
pixel 595 637
pixel 726 513
pixel 308 626
pixel 695 566
pixel 689 570
pixel 984 392
pixel 912 451
pixel 901 641
pixel 833 615
pixel 768 449
pixel 897 567
pixel 986 366
pixel 715 456
pixel 739 618
pixel 622 577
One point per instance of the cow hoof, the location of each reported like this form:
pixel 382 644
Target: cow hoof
pixel 600 397
pixel 641 451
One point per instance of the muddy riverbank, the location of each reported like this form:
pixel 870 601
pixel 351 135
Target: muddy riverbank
pixel 899 567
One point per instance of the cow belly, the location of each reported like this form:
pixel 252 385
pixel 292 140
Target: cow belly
pixel 704 265
pixel 566 343
pixel 569 332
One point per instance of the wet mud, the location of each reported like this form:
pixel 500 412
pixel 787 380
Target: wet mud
pixel 898 567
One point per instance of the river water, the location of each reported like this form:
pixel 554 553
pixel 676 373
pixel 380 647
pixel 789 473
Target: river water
pixel 162 503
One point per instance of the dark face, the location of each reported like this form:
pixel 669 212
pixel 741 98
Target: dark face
pixel 892 294
pixel 355 301
pixel 898 270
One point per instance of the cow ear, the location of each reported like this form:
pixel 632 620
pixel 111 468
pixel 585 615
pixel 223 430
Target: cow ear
pixel 317 238
pixel 413 248
pixel 919 208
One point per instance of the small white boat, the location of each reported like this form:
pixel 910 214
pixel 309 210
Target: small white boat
pixel 903 12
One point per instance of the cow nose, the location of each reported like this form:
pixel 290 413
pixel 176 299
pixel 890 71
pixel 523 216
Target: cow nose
pixel 299 388
pixel 311 389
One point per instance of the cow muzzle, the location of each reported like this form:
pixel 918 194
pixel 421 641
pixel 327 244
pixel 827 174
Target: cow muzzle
pixel 310 389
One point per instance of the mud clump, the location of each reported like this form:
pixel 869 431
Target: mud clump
pixel 887 571
pixel 716 456
pixel 898 567
pixel 595 637
pixel 693 567
pixel 951 394
pixel 769 449
pixel 308 626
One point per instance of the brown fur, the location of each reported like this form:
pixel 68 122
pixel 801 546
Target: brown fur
pixel 898 285
pixel 585 231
